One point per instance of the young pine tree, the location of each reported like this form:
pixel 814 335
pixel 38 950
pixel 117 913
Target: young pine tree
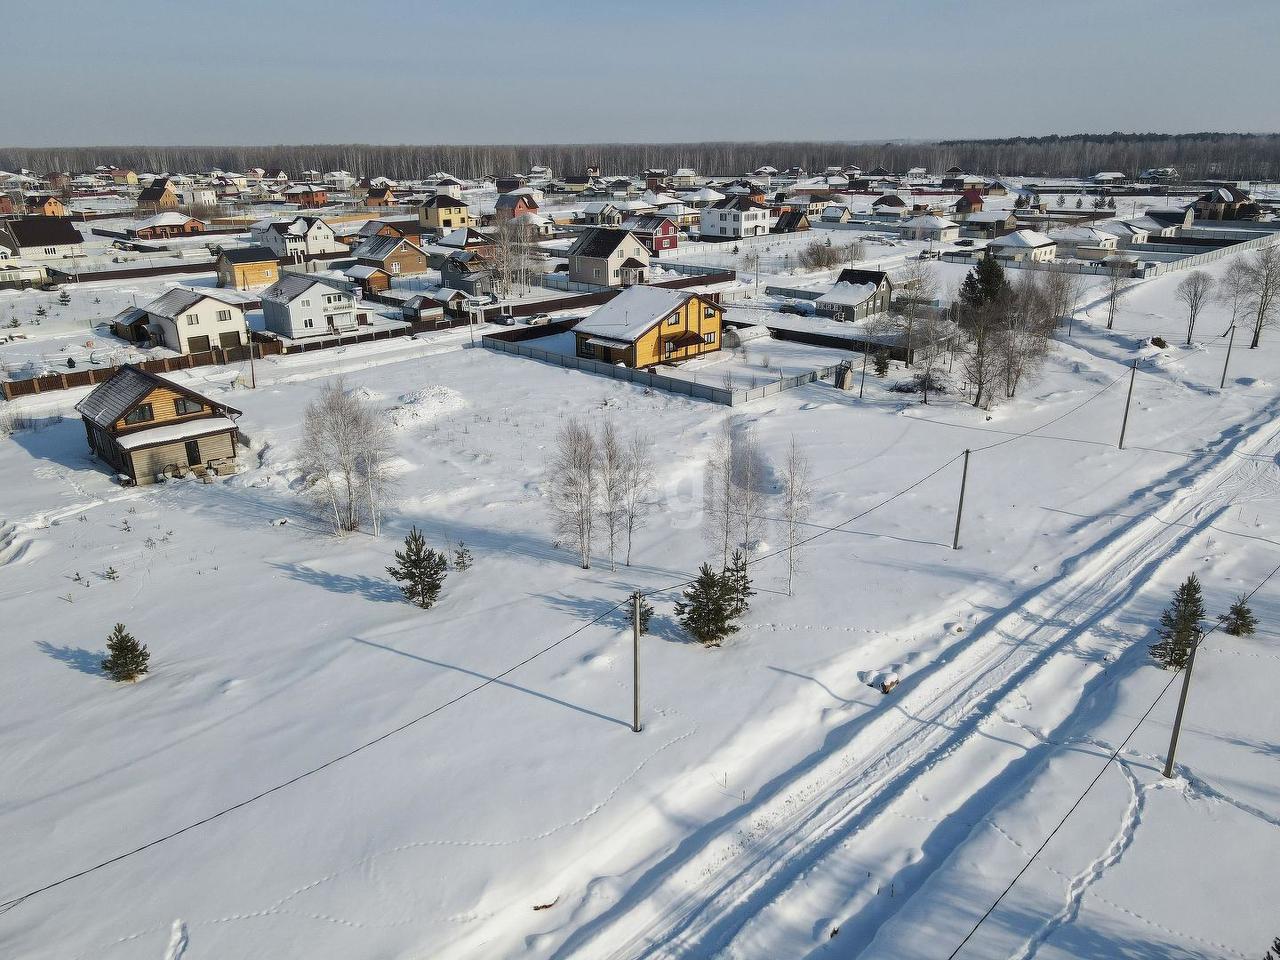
pixel 462 557
pixel 705 611
pixel 881 363
pixel 126 658
pixel 1179 629
pixel 738 585
pixel 1239 621
pixel 419 570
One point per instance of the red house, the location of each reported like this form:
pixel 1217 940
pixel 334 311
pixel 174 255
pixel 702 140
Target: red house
pixel 655 232
pixel 307 195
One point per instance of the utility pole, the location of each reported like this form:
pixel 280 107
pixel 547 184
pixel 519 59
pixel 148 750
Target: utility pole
pixel 1232 340
pixel 1182 703
pixel 635 662
pixel 863 383
pixel 964 479
pixel 1124 424
pixel 253 376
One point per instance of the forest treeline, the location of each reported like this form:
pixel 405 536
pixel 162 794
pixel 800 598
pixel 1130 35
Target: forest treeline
pixel 1197 156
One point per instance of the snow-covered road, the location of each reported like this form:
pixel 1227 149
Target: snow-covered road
pixel 947 752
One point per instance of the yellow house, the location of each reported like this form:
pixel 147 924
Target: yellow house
pixel 124 178
pixel 444 213
pixel 46 206
pixel 243 268
pixel 644 326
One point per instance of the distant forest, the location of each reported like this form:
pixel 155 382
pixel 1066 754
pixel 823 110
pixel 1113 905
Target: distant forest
pixel 1232 156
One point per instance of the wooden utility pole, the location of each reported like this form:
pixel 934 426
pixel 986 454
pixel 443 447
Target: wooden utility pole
pixel 635 662
pixel 253 375
pixel 1124 424
pixel 1232 340
pixel 863 382
pixel 1182 703
pixel 964 479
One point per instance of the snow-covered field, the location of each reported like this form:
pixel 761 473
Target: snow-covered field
pixel 331 772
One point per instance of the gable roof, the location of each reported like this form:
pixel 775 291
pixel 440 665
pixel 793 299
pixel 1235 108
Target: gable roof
pixel 635 310
pixel 379 247
pixel 464 238
pixel 599 242
pixel 1023 240
pixel 253 254
pixel 291 285
pixel 178 300
pixel 855 275
pixel 441 201
pixel 43 231
pixel 112 399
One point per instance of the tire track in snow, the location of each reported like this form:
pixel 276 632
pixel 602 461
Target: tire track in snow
pixel 706 892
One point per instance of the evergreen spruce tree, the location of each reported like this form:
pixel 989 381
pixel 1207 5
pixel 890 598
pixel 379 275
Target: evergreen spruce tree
pixel 1179 629
pixel 462 557
pixel 705 610
pixel 64 298
pixel 126 658
pixel 881 362
pixel 1239 621
pixel 646 614
pixel 983 284
pixel 738 585
pixel 419 570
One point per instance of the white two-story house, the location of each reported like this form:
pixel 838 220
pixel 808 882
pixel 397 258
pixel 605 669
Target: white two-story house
pixel 298 238
pixel 299 306
pixel 734 217
pixel 192 321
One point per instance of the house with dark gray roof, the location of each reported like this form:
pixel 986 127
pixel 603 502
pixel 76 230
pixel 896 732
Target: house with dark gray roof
pixel 192 320
pixel 300 305
pixel 41 238
pixel 145 427
pixel 608 257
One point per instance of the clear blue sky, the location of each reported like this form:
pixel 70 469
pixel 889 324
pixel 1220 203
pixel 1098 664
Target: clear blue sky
pixel 504 71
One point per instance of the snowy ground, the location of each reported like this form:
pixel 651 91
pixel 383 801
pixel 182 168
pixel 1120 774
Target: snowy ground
pixel 773 797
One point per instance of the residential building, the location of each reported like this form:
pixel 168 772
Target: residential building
pixel 1022 245
pixel 382 196
pixel 297 239
pixel 46 205
pixel 162 226
pixel 856 295
pixel 608 257
pixel 470 271
pixel 836 213
pixel 299 305
pixel 931 228
pixel 1225 203
pixel 40 238
pixel 244 268
pixel 1086 242
pixel 656 232
pixel 734 217
pixel 189 320
pixel 158 195
pixel 396 255
pixel 308 196
pixel 443 212
pixel 791 221
pixel 684 179
pixel 515 204
pixel 371 280
pixel 890 205
pixel 990 223
pixel 644 326
pixel 143 425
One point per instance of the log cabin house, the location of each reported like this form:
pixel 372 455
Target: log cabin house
pixel 644 326
pixel 145 426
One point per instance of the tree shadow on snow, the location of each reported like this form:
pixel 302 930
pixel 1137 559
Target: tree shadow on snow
pixel 371 588
pixel 77 658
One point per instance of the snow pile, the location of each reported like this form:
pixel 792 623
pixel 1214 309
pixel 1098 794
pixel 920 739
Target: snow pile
pixel 423 406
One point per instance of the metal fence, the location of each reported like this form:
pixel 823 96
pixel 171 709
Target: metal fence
pixel 658 381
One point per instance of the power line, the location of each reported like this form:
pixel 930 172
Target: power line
pixel 1092 783
pixel 10 904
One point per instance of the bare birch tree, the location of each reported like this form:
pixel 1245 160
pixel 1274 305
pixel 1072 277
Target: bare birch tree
pixel 1233 288
pixel 749 471
pixel 1263 297
pixel 917 289
pixel 638 486
pixel 344 452
pixel 1116 286
pixel 796 498
pixel 612 461
pixel 1194 292
pixel 574 477
pixel 718 494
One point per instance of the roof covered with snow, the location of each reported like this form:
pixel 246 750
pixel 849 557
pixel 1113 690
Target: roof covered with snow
pixel 628 315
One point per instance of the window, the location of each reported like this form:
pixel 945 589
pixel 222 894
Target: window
pixel 50 250
pixel 182 406
pixel 596 273
pixel 708 311
pixel 395 267
pixel 193 319
pixel 224 316
pixel 673 320
pixel 668 346
pixel 586 349
pixel 309 323
pixel 140 414
pixel 709 337
pixel 306 303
